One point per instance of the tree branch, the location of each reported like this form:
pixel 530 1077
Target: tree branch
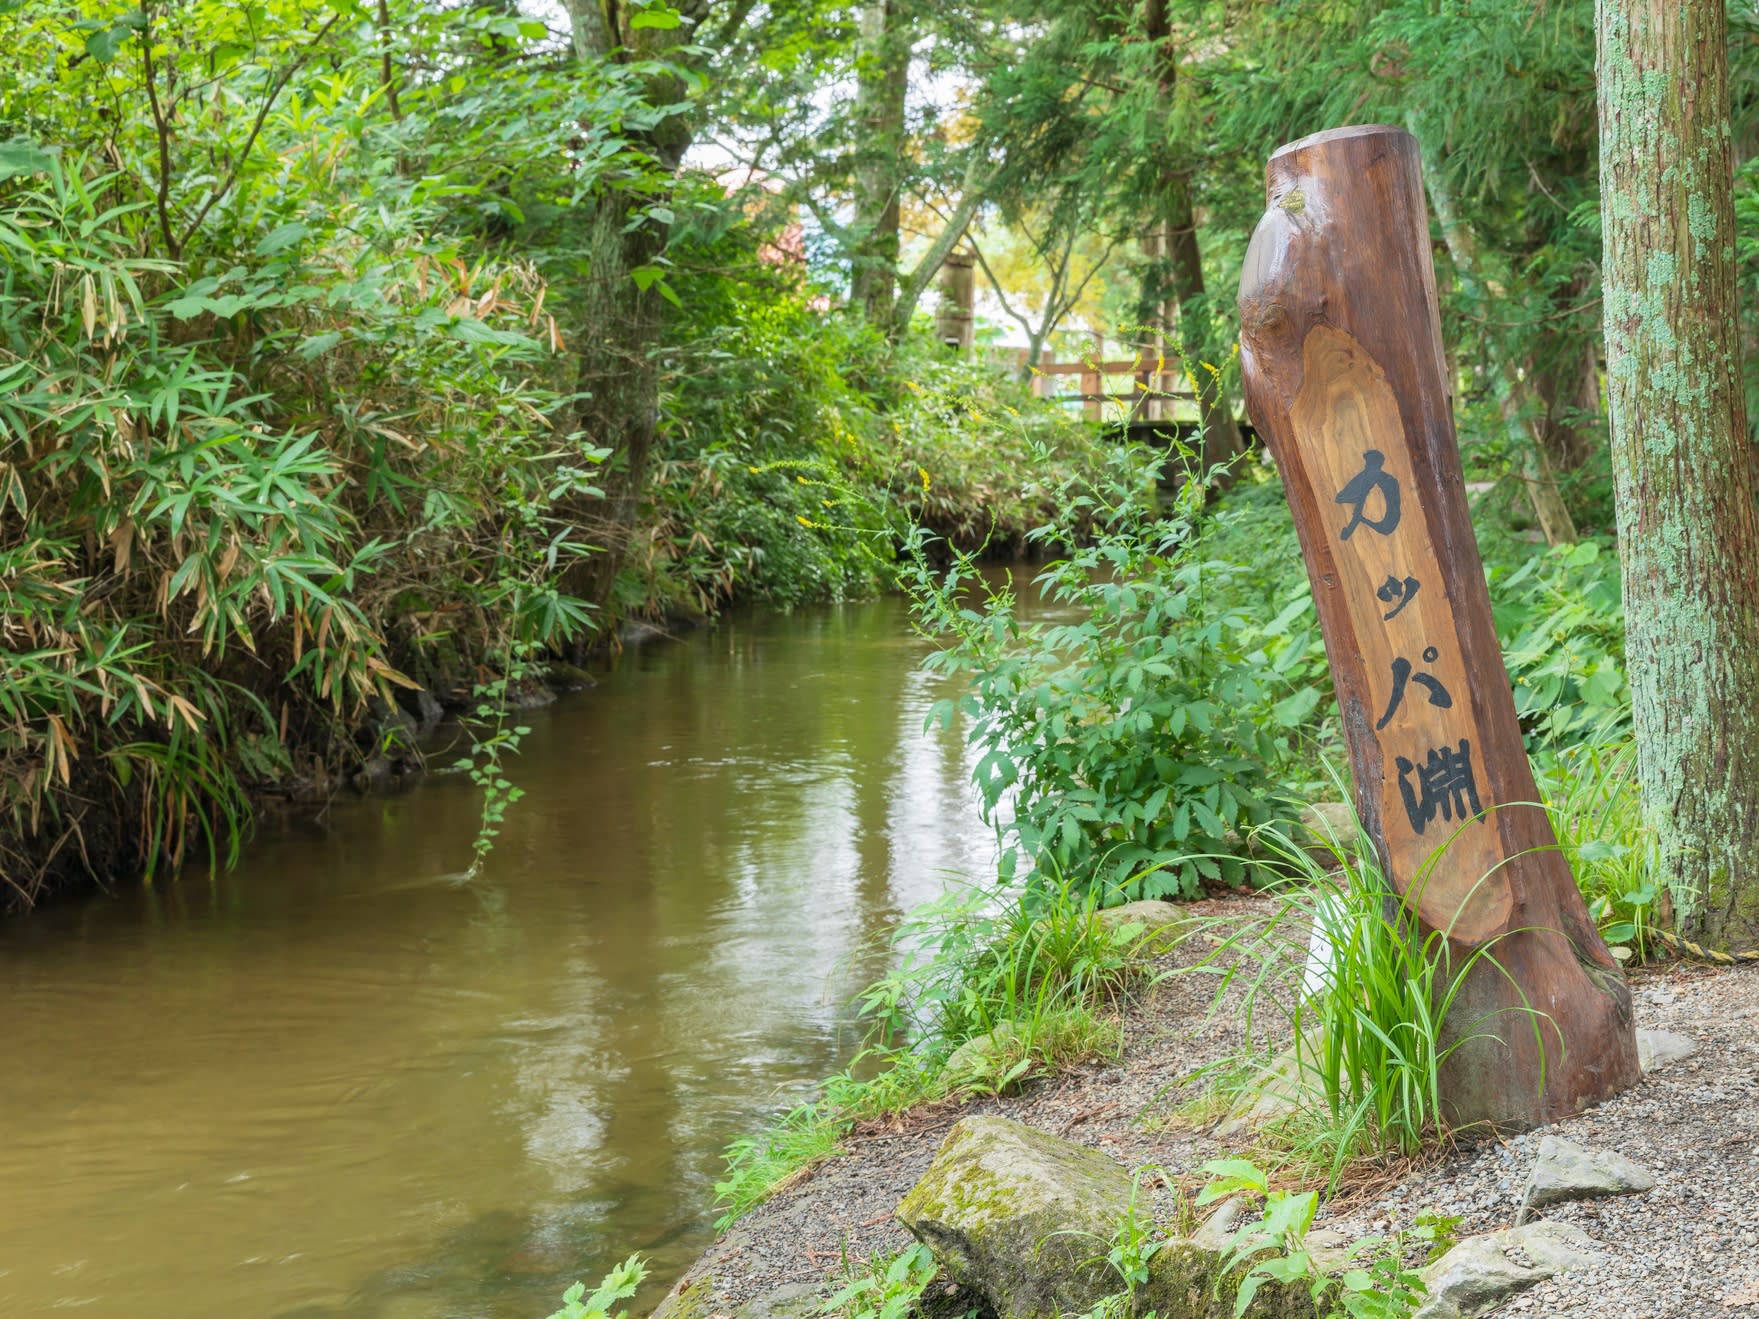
pixel 971 197
pixel 162 198
pixel 256 128
pixel 1001 297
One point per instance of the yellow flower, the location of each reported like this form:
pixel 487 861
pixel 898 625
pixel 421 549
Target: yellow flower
pixel 805 522
pixel 923 473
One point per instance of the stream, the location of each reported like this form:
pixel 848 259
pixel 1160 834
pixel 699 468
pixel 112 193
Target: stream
pixel 337 1081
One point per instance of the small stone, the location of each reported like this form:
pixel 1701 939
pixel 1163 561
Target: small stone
pixel 1658 1048
pixel 1481 1273
pixel 983 1054
pixel 1568 1171
pixel 1150 913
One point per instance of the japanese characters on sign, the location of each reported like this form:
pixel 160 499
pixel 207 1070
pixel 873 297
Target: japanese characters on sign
pixel 1443 782
pixel 1418 743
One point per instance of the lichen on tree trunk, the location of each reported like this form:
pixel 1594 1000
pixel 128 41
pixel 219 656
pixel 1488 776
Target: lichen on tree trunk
pixel 1686 480
pixel 882 89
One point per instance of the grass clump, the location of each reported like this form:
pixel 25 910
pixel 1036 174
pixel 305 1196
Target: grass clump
pixel 1342 969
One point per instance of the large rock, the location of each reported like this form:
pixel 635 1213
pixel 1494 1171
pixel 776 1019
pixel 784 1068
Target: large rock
pixel 1331 828
pixel 1282 1086
pixel 1184 1282
pixel 1020 1216
pixel 1481 1273
pixel 1026 1219
pixel 1568 1171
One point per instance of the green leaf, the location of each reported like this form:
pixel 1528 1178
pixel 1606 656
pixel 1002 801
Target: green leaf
pixel 103 44
pixel 22 156
pixel 315 345
pixel 282 238
pixel 655 18
pixel 1292 711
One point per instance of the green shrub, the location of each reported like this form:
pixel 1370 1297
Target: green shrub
pixel 1133 746
pixel 1560 617
pixel 1373 1284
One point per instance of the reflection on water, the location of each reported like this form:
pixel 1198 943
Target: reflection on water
pixel 340 1083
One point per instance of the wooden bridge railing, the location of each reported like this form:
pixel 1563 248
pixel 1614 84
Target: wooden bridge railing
pixel 1156 384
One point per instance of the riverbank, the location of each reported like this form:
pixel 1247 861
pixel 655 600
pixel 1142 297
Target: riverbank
pixel 1685 1247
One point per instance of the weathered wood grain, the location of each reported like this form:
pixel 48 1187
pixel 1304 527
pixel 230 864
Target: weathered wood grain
pixel 1345 377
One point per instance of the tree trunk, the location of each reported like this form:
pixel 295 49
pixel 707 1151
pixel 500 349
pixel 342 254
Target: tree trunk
pixel 1513 398
pixel 617 371
pixel 1345 377
pixel 1182 262
pixel 952 318
pixel 1685 479
pixel 1568 387
pixel 882 85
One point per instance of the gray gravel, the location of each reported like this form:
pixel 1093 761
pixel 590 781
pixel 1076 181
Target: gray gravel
pixel 1691 1245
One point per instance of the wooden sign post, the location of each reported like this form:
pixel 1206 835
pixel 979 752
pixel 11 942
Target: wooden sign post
pixel 1345 377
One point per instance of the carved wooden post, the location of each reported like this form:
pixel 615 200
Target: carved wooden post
pixel 1345 377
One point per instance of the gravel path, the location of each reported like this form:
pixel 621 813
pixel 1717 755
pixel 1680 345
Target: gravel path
pixel 1688 1247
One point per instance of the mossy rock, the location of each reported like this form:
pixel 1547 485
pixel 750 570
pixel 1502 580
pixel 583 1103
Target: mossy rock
pixel 1161 922
pixel 1020 1216
pixel 1183 1284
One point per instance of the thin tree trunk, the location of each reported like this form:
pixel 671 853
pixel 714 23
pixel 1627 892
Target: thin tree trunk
pixel 1686 480
pixel 1568 387
pixel 1183 264
pixel 617 368
pixel 881 90
pixel 902 305
pixel 1513 398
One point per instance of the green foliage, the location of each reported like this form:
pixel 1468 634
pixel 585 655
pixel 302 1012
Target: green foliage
pixel 801 448
pixel 1371 1282
pixel 273 428
pixel 618 1285
pixel 293 416
pixel 884 1287
pixel 1591 797
pixel 492 741
pixel 1561 620
pixel 1137 743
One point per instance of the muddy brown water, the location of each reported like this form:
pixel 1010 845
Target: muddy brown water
pixel 339 1082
